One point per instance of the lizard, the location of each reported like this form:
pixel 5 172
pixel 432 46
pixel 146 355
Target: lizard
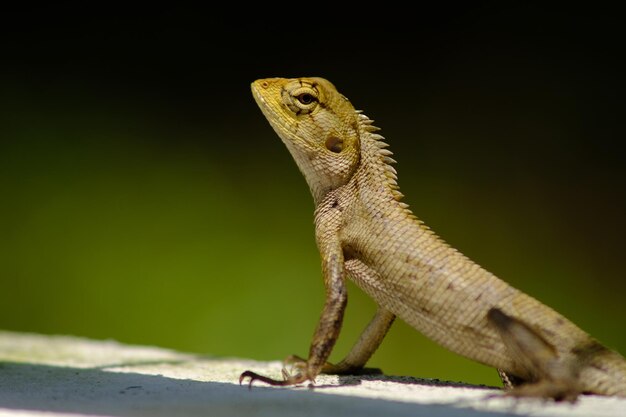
pixel 366 233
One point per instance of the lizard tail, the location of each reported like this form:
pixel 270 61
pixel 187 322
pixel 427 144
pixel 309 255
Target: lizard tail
pixel 604 372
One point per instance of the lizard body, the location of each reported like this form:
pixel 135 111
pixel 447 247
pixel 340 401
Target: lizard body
pixel 366 233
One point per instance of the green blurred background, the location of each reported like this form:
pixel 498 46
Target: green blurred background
pixel 144 198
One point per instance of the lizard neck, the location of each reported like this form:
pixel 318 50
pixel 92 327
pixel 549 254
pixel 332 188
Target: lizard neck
pixel 373 174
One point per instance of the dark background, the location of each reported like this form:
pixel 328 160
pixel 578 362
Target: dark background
pixel 144 198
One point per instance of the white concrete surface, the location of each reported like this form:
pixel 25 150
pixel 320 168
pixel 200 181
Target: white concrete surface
pixel 67 376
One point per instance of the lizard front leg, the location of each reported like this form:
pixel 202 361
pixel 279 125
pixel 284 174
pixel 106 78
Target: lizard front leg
pixel 363 349
pixel 370 338
pixel 366 345
pixel 372 335
pixel 329 324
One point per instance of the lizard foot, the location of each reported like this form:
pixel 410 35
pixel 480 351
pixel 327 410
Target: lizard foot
pixel 559 392
pixel 287 379
pixel 509 381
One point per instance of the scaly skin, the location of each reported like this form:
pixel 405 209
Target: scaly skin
pixel 364 232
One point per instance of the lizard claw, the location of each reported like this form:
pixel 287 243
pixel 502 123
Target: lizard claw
pixel 248 374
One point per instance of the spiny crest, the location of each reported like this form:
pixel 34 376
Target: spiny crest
pixel 389 172
pixel 384 155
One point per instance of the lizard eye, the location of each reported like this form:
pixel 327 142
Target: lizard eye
pixel 302 100
pixel 305 98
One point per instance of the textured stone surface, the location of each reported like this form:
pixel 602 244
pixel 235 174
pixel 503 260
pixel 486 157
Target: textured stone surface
pixel 59 376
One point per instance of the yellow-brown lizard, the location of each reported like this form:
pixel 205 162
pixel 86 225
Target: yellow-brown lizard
pixel 365 232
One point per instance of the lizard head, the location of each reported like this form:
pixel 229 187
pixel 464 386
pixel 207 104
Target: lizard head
pixel 318 125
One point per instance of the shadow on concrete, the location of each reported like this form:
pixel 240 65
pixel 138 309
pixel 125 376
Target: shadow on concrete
pixel 94 391
pixel 409 380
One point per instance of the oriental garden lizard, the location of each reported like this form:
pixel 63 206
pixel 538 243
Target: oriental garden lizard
pixel 365 232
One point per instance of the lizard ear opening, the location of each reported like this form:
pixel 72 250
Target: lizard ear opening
pixel 334 144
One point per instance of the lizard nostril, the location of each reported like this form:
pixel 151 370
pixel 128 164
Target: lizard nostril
pixel 265 84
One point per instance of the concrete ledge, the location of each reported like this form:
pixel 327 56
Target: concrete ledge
pixel 68 376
